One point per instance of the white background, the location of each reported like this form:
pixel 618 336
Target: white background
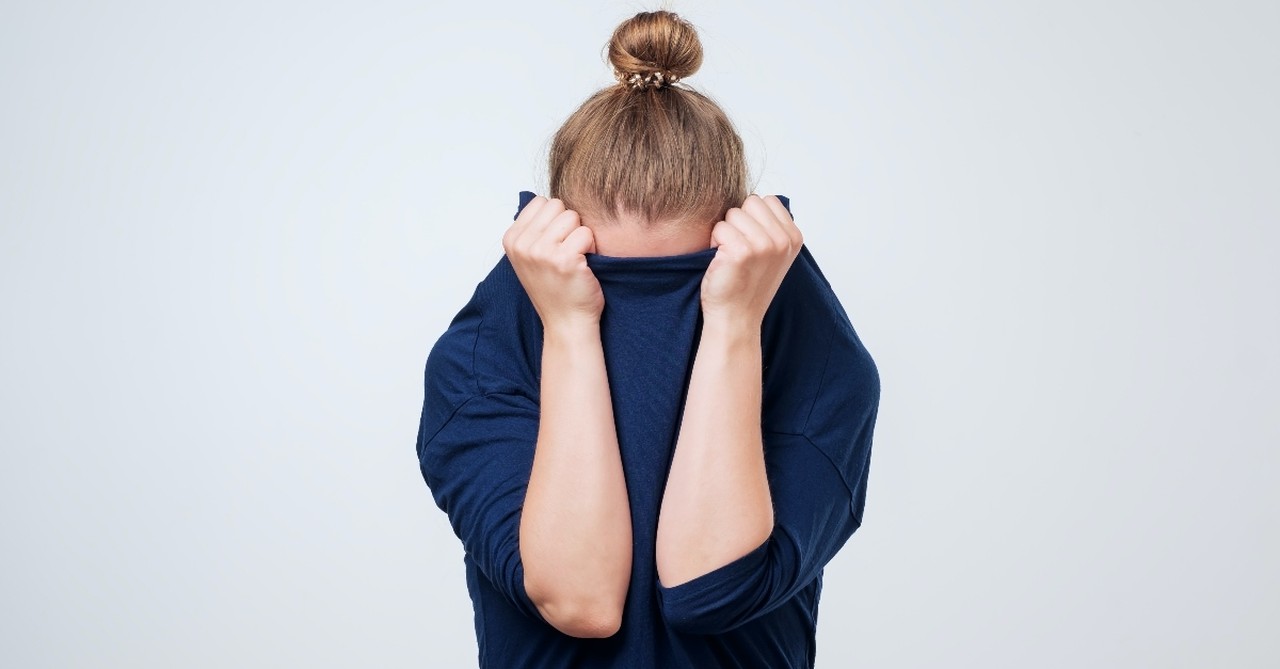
pixel 230 233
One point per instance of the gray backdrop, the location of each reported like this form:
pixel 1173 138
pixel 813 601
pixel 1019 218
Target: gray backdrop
pixel 232 231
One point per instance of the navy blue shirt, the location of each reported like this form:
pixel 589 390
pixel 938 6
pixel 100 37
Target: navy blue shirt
pixel 479 426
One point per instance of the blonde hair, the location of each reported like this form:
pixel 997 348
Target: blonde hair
pixel 646 146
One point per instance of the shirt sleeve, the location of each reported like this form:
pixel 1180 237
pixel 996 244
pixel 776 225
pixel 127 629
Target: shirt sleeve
pixel 813 519
pixel 477 466
pixel 817 456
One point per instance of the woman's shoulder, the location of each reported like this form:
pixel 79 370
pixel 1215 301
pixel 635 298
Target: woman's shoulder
pixel 811 349
pixel 492 344
pixel 806 304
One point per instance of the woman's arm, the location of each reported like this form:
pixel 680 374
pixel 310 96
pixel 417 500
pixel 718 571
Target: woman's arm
pixel 717 505
pixel 575 527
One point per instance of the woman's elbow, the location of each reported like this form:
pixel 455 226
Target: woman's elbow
pixel 584 619
pixel 582 602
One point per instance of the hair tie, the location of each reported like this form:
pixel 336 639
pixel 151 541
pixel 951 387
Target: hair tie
pixel 640 81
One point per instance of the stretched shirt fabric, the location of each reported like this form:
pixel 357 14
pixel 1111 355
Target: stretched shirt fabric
pixel 479 427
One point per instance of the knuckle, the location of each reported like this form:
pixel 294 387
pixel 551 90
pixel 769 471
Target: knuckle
pixel 511 244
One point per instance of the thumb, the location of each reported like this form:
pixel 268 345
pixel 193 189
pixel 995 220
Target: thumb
pixel 716 231
pixel 581 240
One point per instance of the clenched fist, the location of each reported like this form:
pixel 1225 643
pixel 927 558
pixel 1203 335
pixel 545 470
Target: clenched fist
pixel 547 246
pixel 755 246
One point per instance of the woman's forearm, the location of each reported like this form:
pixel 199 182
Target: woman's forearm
pixel 717 506
pixel 575 529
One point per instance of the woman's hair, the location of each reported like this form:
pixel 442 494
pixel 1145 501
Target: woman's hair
pixel 644 146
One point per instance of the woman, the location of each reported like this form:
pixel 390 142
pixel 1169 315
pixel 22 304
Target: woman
pixel 651 426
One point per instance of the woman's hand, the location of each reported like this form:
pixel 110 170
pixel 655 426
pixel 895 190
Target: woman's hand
pixel 547 246
pixel 756 245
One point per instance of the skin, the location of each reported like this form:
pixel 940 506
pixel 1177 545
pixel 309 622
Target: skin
pixel 627 236
pixel 716 506
pixel 575 529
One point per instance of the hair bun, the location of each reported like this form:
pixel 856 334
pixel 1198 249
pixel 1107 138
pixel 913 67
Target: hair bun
pixel 654 49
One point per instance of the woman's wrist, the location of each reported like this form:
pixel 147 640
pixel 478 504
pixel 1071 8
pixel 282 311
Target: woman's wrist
pixel 572 330
pixel 731 327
